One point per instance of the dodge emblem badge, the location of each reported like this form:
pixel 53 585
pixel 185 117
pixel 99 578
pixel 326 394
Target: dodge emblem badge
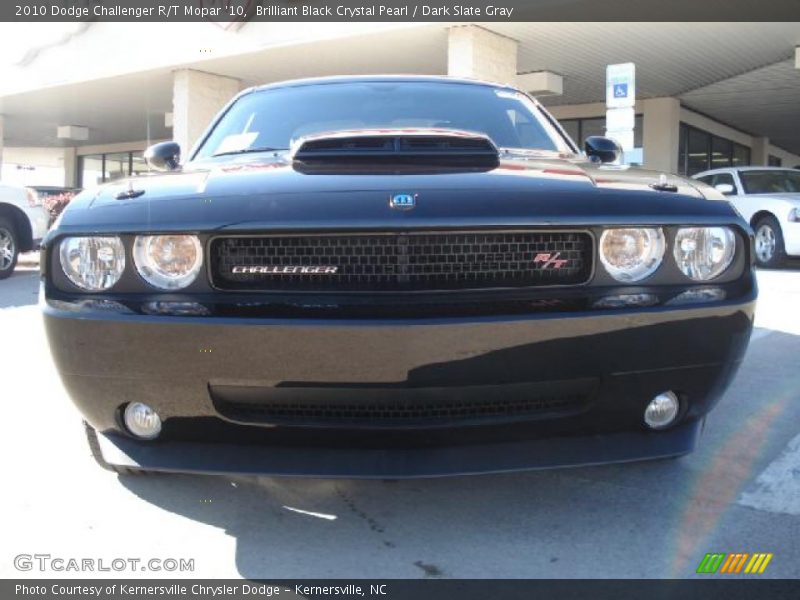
pixel 403 201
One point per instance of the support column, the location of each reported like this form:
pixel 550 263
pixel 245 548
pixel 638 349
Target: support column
pixel 2 138
pixel 478 53
pixel 70 167
pixel 662 117
pixel 759 152
pixel 196 98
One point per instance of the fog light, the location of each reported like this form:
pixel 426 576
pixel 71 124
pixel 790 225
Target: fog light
pixel 662 411
pixel 142 421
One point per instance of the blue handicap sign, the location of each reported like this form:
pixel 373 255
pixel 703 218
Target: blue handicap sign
pixel 620 90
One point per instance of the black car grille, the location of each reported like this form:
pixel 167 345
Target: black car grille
pixel 401 261
pixel 396 413
pixel 375 406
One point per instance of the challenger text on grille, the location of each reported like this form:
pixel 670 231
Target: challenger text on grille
pixel 284 270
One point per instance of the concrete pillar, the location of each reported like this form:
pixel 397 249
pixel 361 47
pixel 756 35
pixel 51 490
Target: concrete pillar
pixel 2 137
pixel 541 83
pixel 759 152
pixel 478 53
pixel 196 98
pixel 70 167
pixel 797 57
pixel 662 117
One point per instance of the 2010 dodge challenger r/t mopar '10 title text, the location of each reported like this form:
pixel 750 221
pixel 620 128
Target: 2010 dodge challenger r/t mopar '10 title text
pixel 394 277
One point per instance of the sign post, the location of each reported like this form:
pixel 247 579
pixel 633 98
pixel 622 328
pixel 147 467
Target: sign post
pixel 620 100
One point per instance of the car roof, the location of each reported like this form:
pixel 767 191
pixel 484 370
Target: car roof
pixel 378 79
pixel 757 168
pixel 713 172
pixel 748 168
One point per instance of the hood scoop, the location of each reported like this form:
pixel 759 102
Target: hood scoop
pixel 397 147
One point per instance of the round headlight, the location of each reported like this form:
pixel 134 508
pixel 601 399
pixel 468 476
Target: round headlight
pixel 168 262
pixel 93 263
pixel 703 253
pixel 631 254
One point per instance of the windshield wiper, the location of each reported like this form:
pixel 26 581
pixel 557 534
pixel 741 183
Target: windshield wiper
pixel 247 150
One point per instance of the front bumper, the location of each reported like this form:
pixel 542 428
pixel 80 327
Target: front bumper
pixel 396 463
pixel 616 361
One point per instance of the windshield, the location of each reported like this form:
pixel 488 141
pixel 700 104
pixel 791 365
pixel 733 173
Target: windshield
pixel 770 182
pixel 274 118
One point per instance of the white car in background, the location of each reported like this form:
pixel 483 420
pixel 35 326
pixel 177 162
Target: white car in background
pixel 769 199
pixel 23 223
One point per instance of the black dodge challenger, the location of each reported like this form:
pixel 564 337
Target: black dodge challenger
pixel 394 277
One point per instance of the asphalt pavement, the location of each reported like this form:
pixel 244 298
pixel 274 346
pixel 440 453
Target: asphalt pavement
pixel 739 492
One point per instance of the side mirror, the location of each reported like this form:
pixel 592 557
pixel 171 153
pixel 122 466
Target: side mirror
pixel 603 149
pixel 724 188
pixel 165 156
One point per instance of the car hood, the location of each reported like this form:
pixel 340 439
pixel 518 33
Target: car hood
pixel 252 192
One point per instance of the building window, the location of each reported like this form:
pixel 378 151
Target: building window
pixel 698 153
pixel 580 129
pixel 94 169
pixel 774 161
pixel 573 129
pixel 721 152
pixel 741 155
pixel 700 150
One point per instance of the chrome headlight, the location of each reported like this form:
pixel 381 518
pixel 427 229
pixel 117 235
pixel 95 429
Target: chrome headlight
pixel 703 253
pixel 632 254
pixel 93 263
pixel 168 262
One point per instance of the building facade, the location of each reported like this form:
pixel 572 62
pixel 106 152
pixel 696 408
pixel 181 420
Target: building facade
pixel 80 102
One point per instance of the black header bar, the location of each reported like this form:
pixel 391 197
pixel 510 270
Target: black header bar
pixel 732 588
pixel 238 11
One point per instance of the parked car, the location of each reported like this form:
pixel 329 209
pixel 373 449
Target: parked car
pixel 394 277
pixel 769 199
pixel 23 224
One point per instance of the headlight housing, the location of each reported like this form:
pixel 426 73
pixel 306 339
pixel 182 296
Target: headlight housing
pixel 93 263
pixel 168 262
pixel 704 253
pixel 632 254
